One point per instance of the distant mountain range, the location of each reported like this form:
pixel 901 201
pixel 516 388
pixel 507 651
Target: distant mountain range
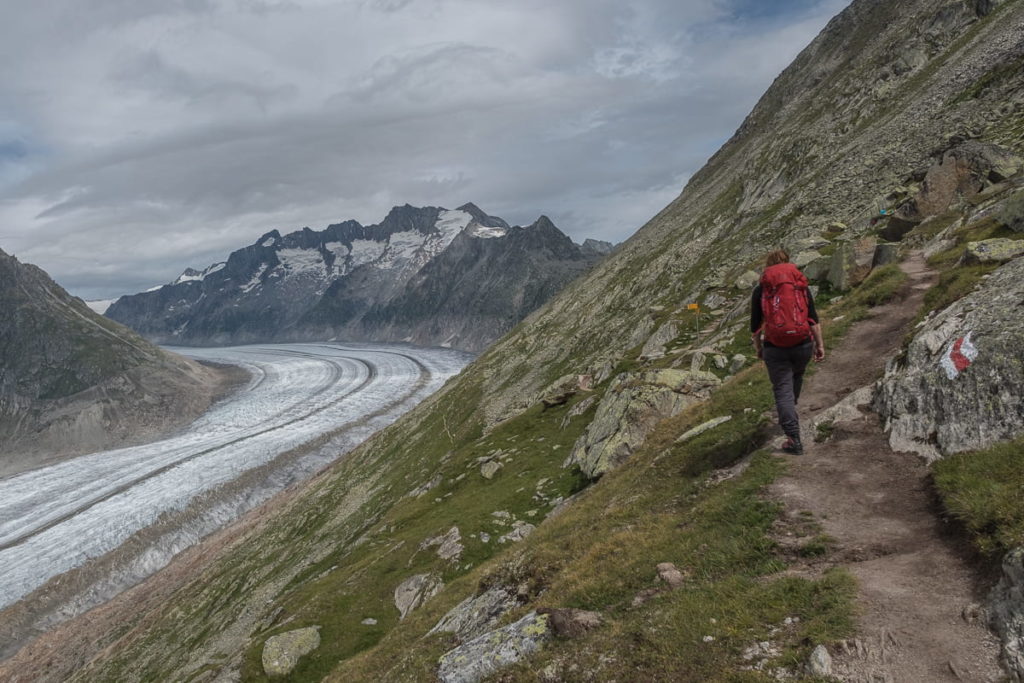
pixel 426 276
pixel 72 381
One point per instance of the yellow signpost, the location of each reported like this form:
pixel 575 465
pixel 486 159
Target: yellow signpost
pixel 696 313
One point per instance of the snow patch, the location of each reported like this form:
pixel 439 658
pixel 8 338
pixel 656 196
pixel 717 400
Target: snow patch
pixel 255 281
pixel 485 232
pixel 365 251
pixel 153 289
pixel 302 261
pixel 269 242
pixel 195 276
pixel 101 306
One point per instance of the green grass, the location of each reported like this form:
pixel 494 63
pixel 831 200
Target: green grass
pixel 982 489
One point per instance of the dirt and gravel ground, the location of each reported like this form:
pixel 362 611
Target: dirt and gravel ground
pixel 919 586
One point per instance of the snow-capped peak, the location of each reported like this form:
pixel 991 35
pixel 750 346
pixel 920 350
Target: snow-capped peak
pixel 193 275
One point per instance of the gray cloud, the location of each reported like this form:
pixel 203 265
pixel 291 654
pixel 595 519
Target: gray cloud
pixel 143 137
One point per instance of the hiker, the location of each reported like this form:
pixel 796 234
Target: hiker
pixel 786 334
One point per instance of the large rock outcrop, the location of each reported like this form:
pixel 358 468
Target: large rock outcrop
pixel 631 408
pixel 1007 613
pixel 959 385
pixel 482 656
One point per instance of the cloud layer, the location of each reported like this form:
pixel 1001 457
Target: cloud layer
pixel 138 137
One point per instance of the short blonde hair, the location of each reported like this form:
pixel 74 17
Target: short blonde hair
pixel 776 257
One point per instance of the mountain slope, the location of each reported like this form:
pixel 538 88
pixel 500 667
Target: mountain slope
pixel 462 499
pixel 359 283
pixel 72 381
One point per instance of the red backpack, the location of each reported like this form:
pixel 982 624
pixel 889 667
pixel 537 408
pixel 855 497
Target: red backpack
pixel 784 305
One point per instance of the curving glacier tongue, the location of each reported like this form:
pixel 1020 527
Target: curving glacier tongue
pixel 115 517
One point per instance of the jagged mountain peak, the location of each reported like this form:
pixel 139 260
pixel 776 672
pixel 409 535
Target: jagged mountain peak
pixel 310 284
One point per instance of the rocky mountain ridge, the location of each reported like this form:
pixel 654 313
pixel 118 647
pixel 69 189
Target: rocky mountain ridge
pixel 427 276
pixel 587 500
pixel 73 382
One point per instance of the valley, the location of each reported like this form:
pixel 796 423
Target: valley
pixel 112 518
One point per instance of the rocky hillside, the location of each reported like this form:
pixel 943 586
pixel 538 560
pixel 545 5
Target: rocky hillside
pixel 428 276
pixel 587 500
pixel 72 381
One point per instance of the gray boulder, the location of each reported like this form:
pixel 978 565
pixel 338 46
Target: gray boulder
pixel 414 591
pixel 1007 613
pixel 281 653
pixel 995 250
pixel 885 253
pixel 655 346
pixel 958 386
pixel 1011 212
pixel 630 410
pixel 449 545
pixel 484 655
pixel 748 280
pixel 475 615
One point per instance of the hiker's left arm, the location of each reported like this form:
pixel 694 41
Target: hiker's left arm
pixel 819 342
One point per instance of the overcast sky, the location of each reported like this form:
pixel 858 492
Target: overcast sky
pixel 138 137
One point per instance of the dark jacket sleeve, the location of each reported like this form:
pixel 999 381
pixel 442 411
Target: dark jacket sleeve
pixel 756 317
pixel 812 313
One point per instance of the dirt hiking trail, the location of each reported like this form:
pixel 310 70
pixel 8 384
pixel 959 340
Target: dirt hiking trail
pixel 917 591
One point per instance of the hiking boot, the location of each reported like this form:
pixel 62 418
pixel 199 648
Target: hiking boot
pixel 792 446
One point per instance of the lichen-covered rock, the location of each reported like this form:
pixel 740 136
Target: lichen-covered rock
pixel 701 428
pixel 655 346
pixel 449 545
pixel 281 653
pixel 520 530
pixel 850 263
pixel 489 469
pixel 806 257
pixel 477 614
pixel 748 280
pixel 962 171
pixel 994 250
pixel 958 386
pixel 1011 212
pixel 820 663
pixel 1007 613
pixel 414 591
pixel 482 656
pixel 630 409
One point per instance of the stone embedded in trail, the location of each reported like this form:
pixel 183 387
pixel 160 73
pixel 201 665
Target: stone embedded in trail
pixel 475 615
pixel 629 411
pixel 281 653
pixel 936 400
pixel 484 655
pixel 414 591
pixel 1007 613
pixel 848 409
pixel 993 251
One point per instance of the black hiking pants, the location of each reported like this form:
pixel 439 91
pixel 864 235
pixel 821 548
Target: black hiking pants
pixel 786 370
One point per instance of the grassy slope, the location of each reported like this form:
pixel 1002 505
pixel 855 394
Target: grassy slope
pixel 334 554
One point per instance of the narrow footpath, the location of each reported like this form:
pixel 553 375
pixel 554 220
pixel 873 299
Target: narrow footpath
pixel 918 591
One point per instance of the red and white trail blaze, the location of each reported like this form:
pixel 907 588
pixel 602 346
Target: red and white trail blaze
pixel 959 356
